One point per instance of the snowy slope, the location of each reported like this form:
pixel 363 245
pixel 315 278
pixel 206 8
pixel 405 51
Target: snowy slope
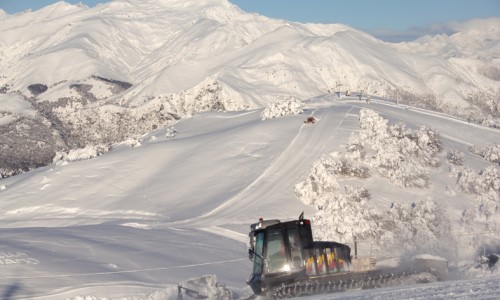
pixel 167 205
pixel 134 222
pixel 121 69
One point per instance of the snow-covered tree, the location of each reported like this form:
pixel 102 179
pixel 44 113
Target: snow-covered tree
pixel 355 148
pixel 282 108
pixel 420 226
pixel 468 216
pixel 429 144
pixel 485 184
pixel 488 205
pixel 397 153
pixel 456 157
pixel 490 153
pixel 342 216
pixel 399 169
pixel 479 183
pixel 320 181
pixel 373 126
pixel 348 168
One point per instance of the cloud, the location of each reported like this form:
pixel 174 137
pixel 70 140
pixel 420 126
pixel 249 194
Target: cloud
pixel 415 32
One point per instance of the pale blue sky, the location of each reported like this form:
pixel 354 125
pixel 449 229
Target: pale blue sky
pixel 379 17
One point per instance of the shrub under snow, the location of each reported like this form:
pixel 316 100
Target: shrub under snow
pixel 291 106
pixel 355 148
pixel 490 153
pixel 133 142
pixel 485 184
pixel 456 157
pixel 88 152
pixel 479 183
pixel 349 168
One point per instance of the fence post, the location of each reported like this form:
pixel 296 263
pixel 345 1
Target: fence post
pixel 355 247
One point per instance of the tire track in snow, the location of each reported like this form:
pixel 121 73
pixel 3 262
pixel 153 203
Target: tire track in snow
pixel 125 271
pixel 448 126
pixel 227 233
pixel 307 145
pixel 447 136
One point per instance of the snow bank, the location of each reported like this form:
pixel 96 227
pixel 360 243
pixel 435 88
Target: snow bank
pixel 204 287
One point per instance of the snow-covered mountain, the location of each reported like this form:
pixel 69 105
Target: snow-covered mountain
pixel 176 205
pixel 124 68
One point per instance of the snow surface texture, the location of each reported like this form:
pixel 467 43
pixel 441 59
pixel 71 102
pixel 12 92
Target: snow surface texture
pixel 134 222
pixel 72 76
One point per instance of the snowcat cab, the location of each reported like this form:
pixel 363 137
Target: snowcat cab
pixel 284 253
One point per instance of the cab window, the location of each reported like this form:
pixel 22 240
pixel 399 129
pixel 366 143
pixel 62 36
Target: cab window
pixel 295 247
pixel 276 255
pixel 257 258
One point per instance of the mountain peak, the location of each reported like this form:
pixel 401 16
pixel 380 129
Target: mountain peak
pixel 58 10
pixel 211 9
pixel 176 3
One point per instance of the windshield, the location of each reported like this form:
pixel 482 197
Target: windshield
pixel 258 253
pixel 276 256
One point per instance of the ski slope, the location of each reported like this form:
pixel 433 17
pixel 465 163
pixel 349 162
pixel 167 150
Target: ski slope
pixel 133 223
pixel 146 64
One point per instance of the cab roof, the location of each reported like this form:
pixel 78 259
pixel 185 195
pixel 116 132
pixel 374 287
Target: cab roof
pixel 263 224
